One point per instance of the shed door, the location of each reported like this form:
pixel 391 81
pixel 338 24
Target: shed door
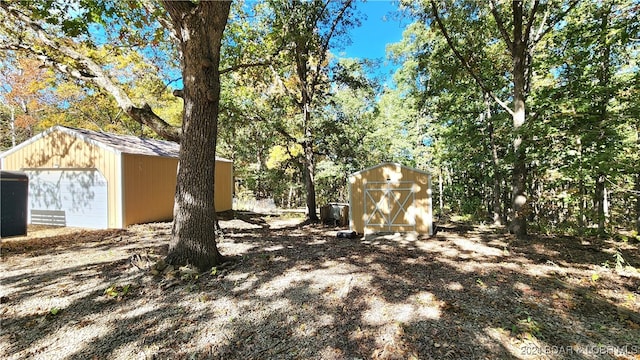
pixel 389 206
pixel 69 197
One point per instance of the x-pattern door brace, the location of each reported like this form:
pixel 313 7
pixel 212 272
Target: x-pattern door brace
pixel 390 197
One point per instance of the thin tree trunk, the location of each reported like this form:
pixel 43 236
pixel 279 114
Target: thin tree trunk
pixel 581 190
pixel 637 190
pixel 495 161
pixel 539 186
pixel 605 205
pixel 440 193
pixel 310 186
pixel 599 204
pixel 583 205
pixel 505 197
pixel 637 186
pixel 200 29
pixel 603 83
pixel 13 126
pixel 309 169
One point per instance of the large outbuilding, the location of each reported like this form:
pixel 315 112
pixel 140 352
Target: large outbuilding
pixel 100 180
pixel 390 197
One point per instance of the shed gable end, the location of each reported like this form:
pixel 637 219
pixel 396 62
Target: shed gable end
pixel 55 149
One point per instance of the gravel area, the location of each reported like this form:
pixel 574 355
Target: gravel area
pixel 296 291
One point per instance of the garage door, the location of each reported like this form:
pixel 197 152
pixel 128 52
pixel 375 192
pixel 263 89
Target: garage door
pixel 69 197
pixel 389 206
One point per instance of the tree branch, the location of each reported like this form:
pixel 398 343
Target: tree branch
pixel 538 35
pixel 284 133
pixel 166 86
pixel 284 86
pixel 464 62
pixel 244 66
pixel 500 23
pixel 152 8
pixel 178 9
pixel 543 31
pixel 257 117
pixel 532 14
pixel 84 68
pixel 325 45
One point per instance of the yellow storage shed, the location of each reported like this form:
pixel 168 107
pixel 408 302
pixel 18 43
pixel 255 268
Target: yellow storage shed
pixel 100 180
pixel 390 197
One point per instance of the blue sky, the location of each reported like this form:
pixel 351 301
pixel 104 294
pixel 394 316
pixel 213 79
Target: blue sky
pixel 379 29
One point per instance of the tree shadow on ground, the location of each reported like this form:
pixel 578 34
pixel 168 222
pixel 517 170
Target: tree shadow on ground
pixel 301 292
pixel 71 241
pixel 396 279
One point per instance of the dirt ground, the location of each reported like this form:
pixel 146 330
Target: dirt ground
pixel 298 292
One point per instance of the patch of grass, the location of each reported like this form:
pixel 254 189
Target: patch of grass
pixel 466 218
pixel 526 328
pixel 117 292
pixel 292 215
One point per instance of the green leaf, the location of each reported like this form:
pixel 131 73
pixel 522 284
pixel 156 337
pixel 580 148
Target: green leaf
pixel 111 291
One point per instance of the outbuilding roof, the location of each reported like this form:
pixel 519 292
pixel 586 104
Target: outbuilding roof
pixel 127 144
pixel 387 164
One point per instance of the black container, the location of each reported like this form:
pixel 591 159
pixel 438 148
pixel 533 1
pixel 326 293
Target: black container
pixel 14 196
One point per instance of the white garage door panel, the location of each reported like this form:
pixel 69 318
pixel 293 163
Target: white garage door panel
pixel 74 197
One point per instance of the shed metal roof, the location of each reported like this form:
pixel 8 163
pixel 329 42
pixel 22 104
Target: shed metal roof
pixel 387 164
pixel 126 144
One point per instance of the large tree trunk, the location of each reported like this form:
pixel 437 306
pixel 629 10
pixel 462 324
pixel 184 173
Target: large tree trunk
pixel 200 28
pixel 519 203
